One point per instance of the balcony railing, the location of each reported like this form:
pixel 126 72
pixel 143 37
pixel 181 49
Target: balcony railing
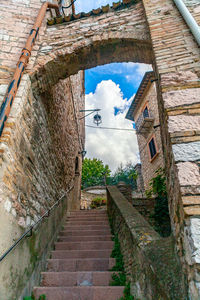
pixel 144 122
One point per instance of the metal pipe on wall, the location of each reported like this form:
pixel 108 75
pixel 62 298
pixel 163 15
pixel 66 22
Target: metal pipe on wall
pixel 22 63
pixel 192 24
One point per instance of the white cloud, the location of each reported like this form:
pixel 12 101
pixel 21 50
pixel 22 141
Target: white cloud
pixel 136 72
pixel 142 68
pixel 112 147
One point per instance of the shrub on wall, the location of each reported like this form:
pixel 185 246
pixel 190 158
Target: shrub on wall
pixel 161 212
pixel 98 202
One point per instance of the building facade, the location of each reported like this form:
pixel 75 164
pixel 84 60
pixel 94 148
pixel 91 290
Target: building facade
pixel 144 112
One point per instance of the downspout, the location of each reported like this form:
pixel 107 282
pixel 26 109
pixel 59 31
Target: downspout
pixel 22 63
pixel 73 7
pixel 192 24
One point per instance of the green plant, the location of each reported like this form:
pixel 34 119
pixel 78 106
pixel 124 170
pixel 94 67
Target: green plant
pixel 98 201
pixel 41 297
pixel 116 253
pixel 157 185
pixel 160 216
pixel 118 279
pixel 127 293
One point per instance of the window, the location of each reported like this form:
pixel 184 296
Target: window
pixel 146 112
pixel 152 148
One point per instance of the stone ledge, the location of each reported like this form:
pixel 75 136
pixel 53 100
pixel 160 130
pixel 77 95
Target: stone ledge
pixel 191 200
pixel 193 210
pixel 150 261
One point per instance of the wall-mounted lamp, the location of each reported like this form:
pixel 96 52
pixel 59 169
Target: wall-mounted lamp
pixel 97 117
pixel 156 126
pixel 83 153
pixel 153 80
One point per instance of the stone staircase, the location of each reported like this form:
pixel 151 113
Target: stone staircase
pixel 79 265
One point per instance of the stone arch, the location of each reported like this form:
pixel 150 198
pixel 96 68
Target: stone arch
pixel 120 36
pixel 97 53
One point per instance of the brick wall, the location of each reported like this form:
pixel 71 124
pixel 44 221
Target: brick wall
pixel 149 166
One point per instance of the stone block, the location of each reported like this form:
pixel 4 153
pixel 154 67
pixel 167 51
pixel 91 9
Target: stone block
pixel 187 152
pixel 188 173
pixel 183 123
pixel 191 200
pixel 181 97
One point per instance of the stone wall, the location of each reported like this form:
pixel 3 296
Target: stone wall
pixel 178 69
pixel 145 207
pixel 149 32
pixel 151 264
pixel 139 179
pixel 39 146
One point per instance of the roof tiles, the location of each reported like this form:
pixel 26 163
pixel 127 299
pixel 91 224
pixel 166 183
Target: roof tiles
pixel 104 9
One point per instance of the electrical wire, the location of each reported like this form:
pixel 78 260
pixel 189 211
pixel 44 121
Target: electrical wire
pixel 123 129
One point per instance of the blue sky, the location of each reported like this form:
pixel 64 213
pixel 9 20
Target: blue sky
pixel 87 5
pixel 111 88
pixel 127 75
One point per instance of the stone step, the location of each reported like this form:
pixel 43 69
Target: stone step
pixel 80 293
pixel 84 232
pixel 86 227
pixel 83 223
pixel 85 238
pixel 84 245
pixel 89 213
pixel 88 218
pixel 61 254
pixel 76 278
pixel 81 264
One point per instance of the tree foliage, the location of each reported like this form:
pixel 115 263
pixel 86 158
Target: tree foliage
pixel 94 172
pixel 126 174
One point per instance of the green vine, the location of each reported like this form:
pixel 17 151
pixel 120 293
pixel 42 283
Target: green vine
pixel 160 216
pixel 119 278
pixel 116 253
pixel 41 297
pixel 127 293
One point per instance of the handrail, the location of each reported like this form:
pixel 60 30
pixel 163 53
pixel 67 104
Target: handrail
pixel 22 63
pixel 30 230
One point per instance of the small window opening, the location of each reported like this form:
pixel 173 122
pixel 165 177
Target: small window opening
pixel 146 112
pixel 152 148
pixel 76 165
